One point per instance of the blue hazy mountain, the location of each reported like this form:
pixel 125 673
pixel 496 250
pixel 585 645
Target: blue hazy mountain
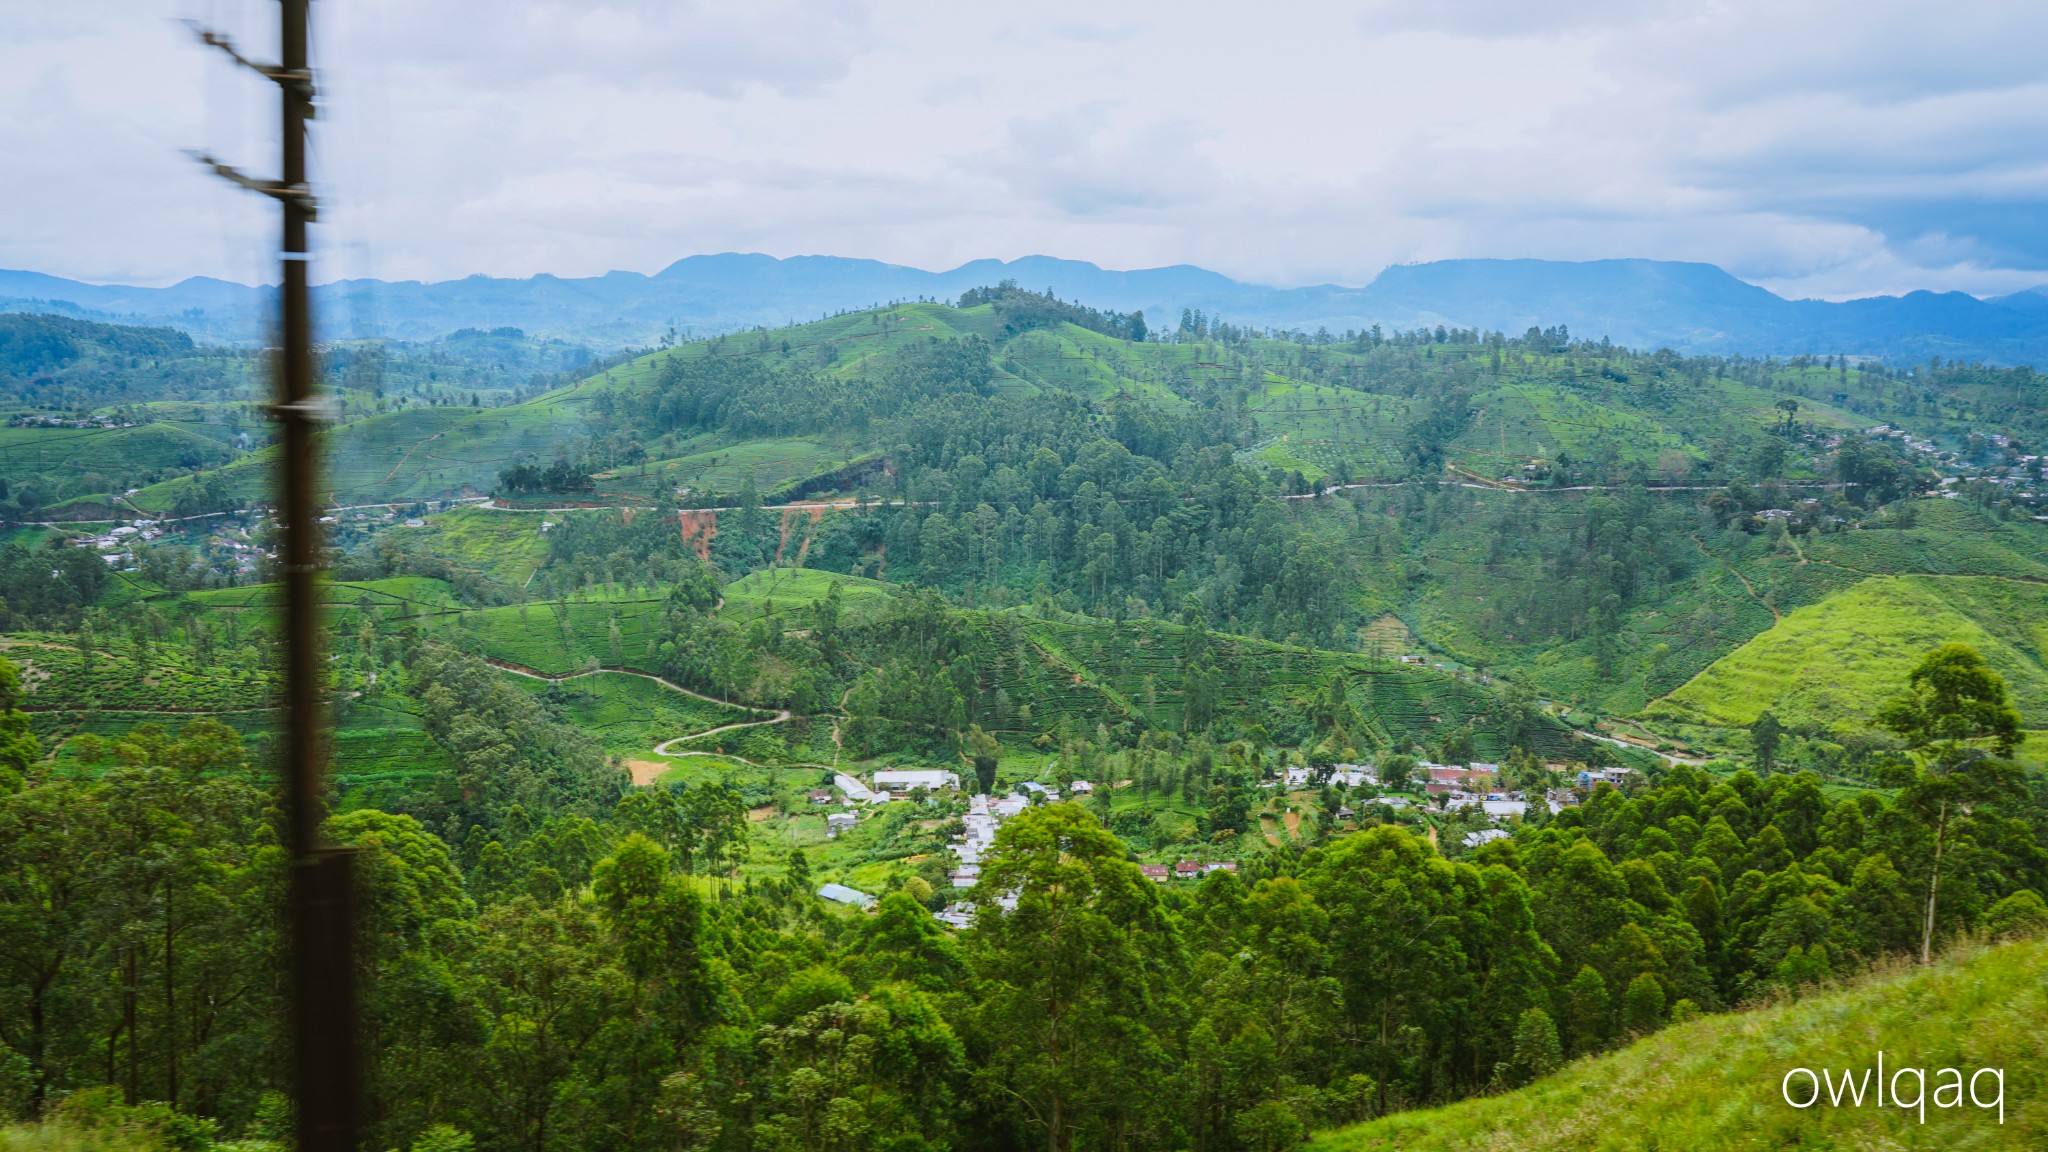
pixel 1643 303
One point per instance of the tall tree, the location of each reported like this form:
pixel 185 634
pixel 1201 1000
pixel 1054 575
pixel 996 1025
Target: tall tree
pixel 1952 698
pixel 1068 981
pixel 1393 908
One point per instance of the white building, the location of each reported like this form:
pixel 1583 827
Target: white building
pixel 838 822
pixel 841 894
pixel 905 780
pixel 853 789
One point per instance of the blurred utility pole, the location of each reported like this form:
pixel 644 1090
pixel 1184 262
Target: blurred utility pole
pixel 320 915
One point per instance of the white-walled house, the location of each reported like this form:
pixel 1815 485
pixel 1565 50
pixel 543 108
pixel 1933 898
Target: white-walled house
pixel 908 779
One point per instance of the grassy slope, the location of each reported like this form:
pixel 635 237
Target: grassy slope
pixel 413 453
pixel 108 450
pixel 1715 1083
pixel 630 715
pixel 505 547
pixel 1834 662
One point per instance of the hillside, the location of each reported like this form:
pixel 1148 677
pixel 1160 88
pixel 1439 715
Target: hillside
pixel 1583 519
pixel 1716 1083
pixel 1831 664
pixel 1645 303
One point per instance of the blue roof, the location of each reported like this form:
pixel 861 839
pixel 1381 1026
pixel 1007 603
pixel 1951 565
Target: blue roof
pixel 844 895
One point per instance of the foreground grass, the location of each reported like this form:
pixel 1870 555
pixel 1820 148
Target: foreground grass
pixel 1715 1083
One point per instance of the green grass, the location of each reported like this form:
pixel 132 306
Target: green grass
pixel 793 590
pixel 1095 671
pixel 1833 663
pixel 110 451
pixel 383 758
pixel 412 453
pixel 726 468
pixel 572 636
pixel 1716 1083
pixel 629 715
pixel 506 548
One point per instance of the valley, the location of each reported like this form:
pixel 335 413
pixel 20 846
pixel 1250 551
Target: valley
pixel 1599 676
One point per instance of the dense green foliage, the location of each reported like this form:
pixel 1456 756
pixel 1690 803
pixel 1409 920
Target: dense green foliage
pixel 1026 541
pixel 554 938
pixel 1717 1083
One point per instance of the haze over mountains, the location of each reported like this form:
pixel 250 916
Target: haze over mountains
pixel 1695 308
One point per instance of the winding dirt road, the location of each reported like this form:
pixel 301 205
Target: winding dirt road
pixel 646 771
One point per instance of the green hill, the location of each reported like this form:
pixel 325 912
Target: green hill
pixel 1834 662
pixel 1716 1083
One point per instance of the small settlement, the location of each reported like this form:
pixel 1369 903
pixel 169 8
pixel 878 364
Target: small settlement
pixel 1443 787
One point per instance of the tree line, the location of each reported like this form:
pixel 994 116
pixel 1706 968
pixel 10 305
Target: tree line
pixel 561 963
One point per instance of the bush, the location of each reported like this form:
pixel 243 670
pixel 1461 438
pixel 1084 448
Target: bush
pixel 2021 914
pixel 99 1115
pixel 1537 1051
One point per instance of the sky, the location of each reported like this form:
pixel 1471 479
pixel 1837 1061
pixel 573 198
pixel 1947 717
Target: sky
pixel 1826 148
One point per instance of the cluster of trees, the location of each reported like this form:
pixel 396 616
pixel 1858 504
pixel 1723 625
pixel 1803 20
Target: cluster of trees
pixel 1020 310
pixel 774 394
pixel 50 360
pixel 585 969
pixel 49 587
pixel 560 477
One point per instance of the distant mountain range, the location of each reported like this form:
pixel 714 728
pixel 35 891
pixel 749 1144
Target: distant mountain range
pixel 1695 308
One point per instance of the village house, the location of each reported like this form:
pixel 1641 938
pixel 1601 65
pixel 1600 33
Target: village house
pixel 841 894
pixel 1186 870
pixel 854 789
pixel 906 780
pixel 838 822
pixel 1156 873
pixel 1480 775
pixel 819 795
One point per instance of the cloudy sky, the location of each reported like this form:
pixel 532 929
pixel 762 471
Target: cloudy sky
pixel 1827 148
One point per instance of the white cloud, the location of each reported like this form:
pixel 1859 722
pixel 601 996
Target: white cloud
pixel 1822 147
